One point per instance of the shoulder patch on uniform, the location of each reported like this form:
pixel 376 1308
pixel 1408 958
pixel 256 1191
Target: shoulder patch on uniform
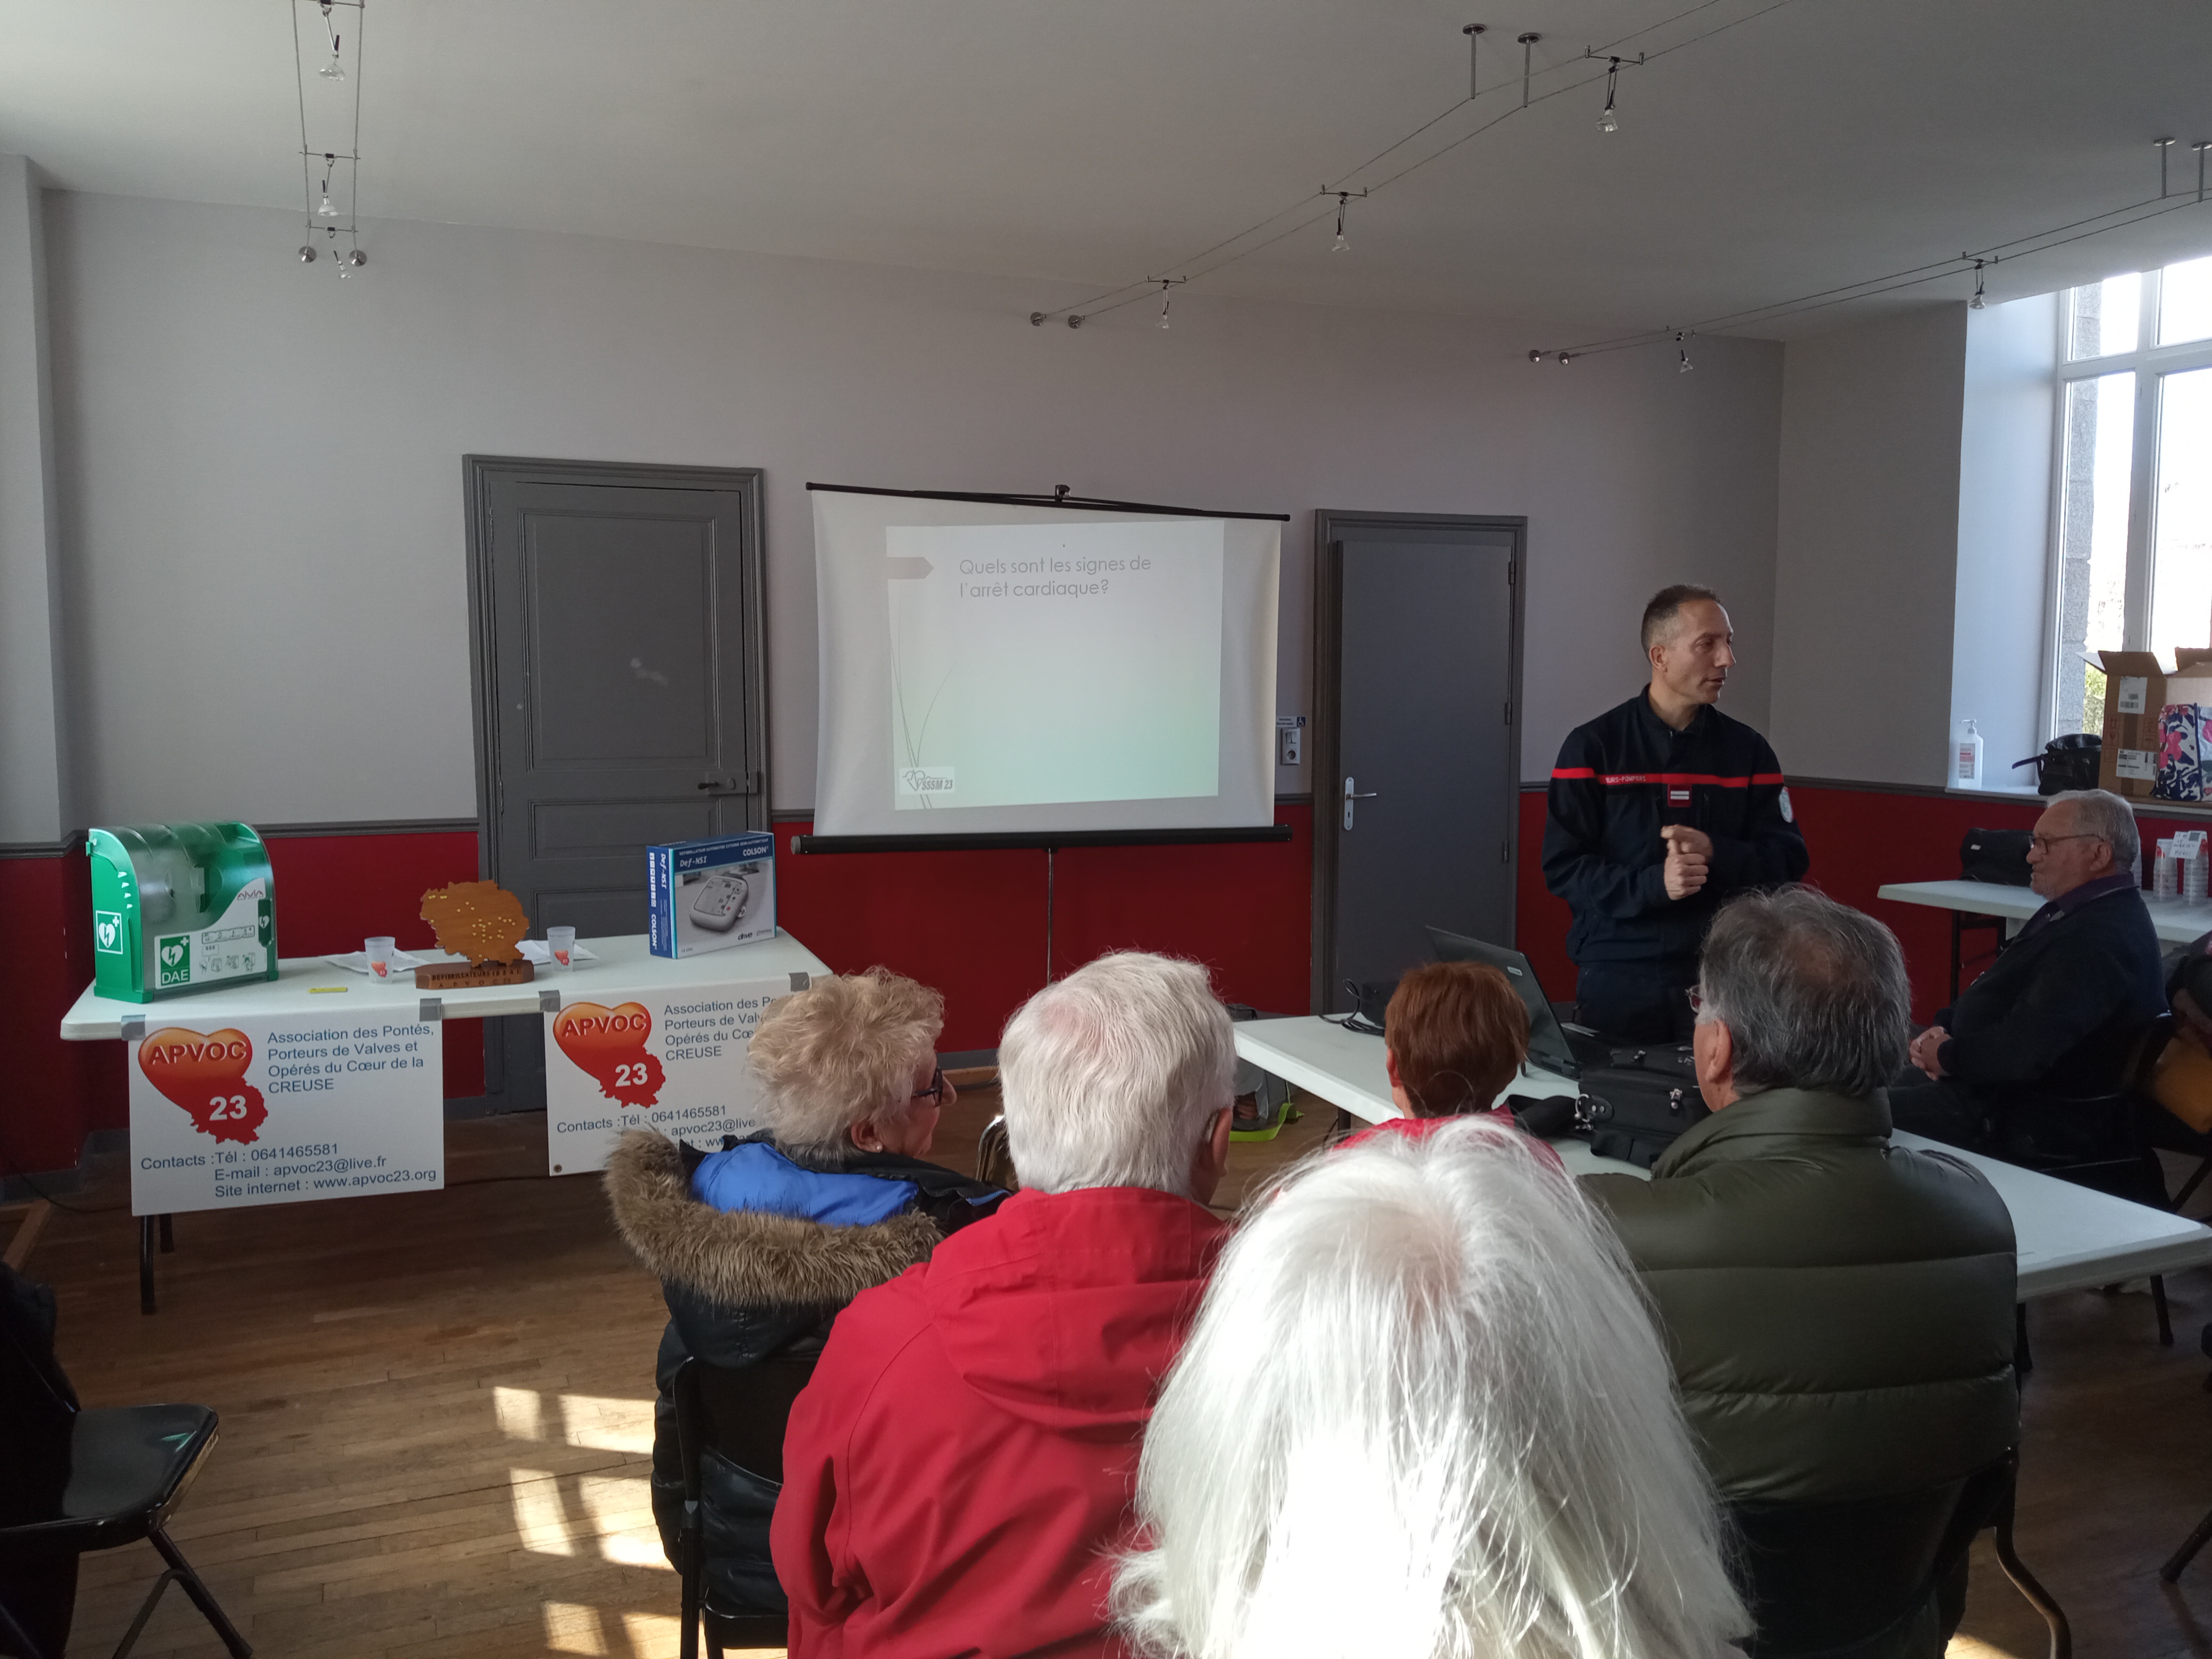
pixel 1788 816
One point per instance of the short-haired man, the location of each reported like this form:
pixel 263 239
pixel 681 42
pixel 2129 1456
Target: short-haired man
pixel 2059 1013
pixel 957 1474
pixel 1660 811
pixel 1839 1310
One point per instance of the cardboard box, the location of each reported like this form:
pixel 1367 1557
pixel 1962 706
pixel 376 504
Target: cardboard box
pixel 2137 689
pixel 709 895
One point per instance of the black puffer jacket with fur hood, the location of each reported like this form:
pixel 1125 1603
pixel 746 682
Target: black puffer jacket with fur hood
pixel 743 1285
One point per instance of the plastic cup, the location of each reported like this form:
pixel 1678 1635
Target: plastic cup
pixel 562 941
pixel 379 952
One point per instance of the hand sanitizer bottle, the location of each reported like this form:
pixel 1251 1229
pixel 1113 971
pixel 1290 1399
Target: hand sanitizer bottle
pixel 1966 766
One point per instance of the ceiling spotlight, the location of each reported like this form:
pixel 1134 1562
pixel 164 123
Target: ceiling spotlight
pixel 307 256
pixel 1566 356
pixel 356 259
pixel 1166 282
pixel 333 70
pixel 1340 245
pixel 1975 304
pixel 1607 122
pixel 1535 357
pixel 1682 350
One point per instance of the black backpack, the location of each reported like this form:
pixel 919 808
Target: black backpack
pixel 1999 856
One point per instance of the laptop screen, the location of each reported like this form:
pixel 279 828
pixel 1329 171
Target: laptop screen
pixel 1548 1043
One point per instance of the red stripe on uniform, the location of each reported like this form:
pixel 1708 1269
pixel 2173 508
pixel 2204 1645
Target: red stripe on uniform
pixel 1572 772
pixel 1615 780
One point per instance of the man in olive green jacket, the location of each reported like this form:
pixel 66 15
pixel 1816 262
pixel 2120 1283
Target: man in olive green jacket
pixel 1839 1310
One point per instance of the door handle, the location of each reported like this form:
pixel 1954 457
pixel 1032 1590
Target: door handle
pixel 747 785
pixel 1351 795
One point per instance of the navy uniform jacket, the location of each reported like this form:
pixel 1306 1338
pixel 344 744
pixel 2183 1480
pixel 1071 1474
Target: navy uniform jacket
pixel 1619 780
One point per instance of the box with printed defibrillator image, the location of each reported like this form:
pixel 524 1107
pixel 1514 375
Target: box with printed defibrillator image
pixel 708 895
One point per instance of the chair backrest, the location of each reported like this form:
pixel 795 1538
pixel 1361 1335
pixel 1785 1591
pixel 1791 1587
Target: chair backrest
pixel 994 1159
pixel 740 1411
pixel 1826 1577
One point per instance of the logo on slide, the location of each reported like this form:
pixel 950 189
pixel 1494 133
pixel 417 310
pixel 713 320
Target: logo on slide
pixel 925 780
pixel 206 1076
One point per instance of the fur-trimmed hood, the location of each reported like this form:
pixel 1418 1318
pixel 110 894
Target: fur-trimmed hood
pixel 746 1258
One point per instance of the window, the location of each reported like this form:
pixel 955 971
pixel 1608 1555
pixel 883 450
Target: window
pixel 2131 542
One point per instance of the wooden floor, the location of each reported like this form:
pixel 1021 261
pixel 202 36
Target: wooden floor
pixel 437 1408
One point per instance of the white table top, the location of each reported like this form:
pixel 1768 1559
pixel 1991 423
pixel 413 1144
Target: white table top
pixel 624 965
pixel 2178 921
pixel 2069 1238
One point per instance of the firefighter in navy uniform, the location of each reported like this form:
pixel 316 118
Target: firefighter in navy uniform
pixel 1660 811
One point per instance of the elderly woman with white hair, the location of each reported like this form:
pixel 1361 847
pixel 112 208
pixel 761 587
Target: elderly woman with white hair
pixel 758 1246
pixel 1463 1442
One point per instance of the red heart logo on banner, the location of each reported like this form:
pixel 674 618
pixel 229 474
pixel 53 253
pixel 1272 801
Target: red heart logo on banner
pixel 204 1073
pixel 609 1044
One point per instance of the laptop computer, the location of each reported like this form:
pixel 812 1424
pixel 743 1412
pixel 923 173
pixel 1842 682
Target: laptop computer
pixel 1552 1045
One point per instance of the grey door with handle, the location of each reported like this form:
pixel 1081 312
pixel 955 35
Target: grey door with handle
pixel 617 628
pixel 1417 787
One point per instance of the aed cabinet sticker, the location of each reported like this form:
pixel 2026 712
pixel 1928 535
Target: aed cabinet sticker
pixel 673 1062
pixel 278 1112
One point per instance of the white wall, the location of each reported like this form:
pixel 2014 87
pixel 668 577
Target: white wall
pixel 2005 531
pixel 1867 547
pixel 34 794
pixel 262 481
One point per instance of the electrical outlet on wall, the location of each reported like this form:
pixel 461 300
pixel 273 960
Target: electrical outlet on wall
pixel 1289 739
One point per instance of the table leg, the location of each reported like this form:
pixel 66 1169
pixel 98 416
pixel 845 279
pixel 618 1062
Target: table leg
pixel 145 1264
pixel 168 1237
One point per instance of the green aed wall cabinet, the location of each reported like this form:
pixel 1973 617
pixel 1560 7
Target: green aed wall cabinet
pixel 178 907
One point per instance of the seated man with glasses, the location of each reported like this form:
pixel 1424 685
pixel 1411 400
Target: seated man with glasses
pixel 1838 1310
pixel 2058 1016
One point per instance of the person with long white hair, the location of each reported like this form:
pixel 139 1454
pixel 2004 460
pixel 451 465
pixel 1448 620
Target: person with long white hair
pixel 1424 1414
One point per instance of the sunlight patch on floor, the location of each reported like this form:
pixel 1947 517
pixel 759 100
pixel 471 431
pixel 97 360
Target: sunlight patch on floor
pixel 1968 1647
pixel 594 1422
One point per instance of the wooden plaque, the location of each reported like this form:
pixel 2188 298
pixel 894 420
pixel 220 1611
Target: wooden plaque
pixel 453 975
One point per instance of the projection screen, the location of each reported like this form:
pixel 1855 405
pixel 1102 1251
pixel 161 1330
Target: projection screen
pixel 996 667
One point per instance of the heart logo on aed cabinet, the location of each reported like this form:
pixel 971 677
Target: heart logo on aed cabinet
pixel 609 1044
pixel 205 1074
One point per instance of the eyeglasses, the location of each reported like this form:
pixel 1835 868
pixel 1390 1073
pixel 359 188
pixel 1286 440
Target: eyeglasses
pixel 936 1089
pixel 1697 1002
pixel 2043 844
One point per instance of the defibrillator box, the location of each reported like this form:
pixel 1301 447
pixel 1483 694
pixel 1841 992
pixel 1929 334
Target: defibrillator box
pixel 179 907
pixel 708 895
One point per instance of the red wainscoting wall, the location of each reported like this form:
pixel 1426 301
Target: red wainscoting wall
pixel 1860 839
pixel 972 924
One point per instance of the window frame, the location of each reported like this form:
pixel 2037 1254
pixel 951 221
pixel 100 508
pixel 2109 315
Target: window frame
pixel 2150 364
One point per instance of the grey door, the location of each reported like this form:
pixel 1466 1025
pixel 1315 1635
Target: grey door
pixel 619 689
pixel 1417 790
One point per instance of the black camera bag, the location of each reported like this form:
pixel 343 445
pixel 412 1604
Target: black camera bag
pixel 1639 1106
pixel 1999 856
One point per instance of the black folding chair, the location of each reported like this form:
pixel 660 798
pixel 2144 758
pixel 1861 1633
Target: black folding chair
pixel 1830 1579
pixel 129 1468
pixel 2114 1155
pixel 738 1413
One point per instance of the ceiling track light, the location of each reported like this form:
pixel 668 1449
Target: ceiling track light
pixel 1341 245
pixel 1528 63
pixel 324 210
pixel 333 71
pixel 1166 283
pixel 2164 147
pixel 1607 122
pixel 2200 146
pixel 1975 304
pixel 1683 351
pixel 1474 32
